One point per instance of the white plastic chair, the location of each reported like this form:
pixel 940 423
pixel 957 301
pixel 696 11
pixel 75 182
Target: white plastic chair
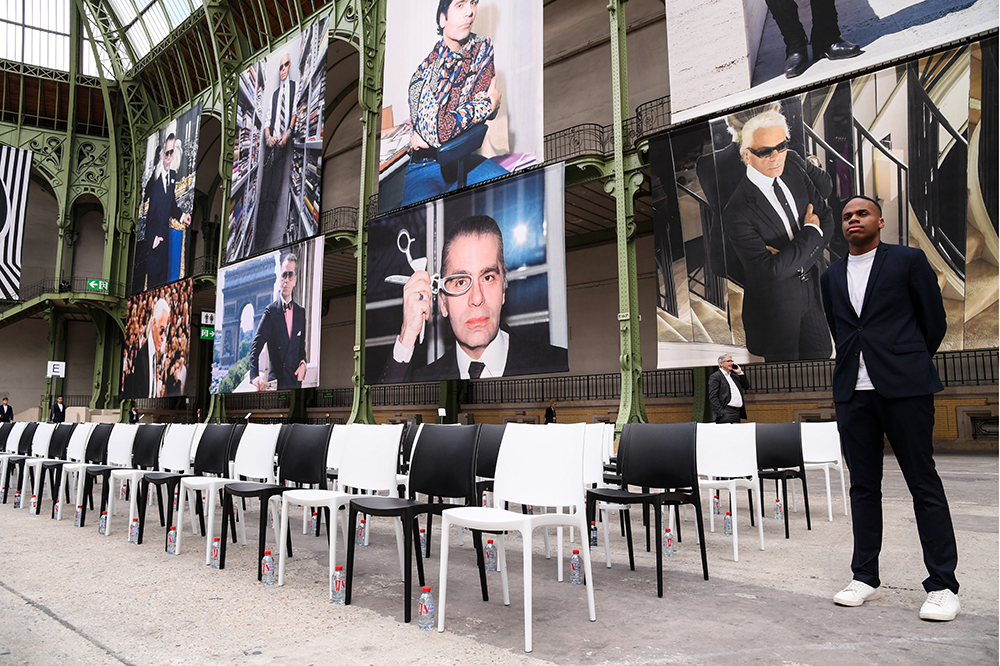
pixel 13 442
pixel 254 460
pixel 119 455
pixel 76 452
pixel 539 465
pixel 727 456
pixel 821 450
pixel 173 463
pixel 366 457
pixel 33 465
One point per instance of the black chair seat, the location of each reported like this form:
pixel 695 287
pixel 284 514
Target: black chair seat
pixel 172 481
pixel 386 506
pixel 263 492
pixel 249 488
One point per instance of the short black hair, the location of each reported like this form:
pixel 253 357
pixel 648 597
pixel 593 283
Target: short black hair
pixel 861 196
pixel 170 137
pixel 476 225
pixel 443 6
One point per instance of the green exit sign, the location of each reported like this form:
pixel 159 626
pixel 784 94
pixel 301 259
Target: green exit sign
pixel 93 284
pixel 207 333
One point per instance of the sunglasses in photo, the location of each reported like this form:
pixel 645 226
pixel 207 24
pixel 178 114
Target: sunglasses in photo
pixel 767 151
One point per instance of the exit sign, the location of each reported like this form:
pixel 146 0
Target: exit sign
pixel 93 284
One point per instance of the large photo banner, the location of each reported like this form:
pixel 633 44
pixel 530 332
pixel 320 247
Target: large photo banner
pixel 278 160
pixel 15 171
pixel 157 342
pixel 728 53
pixel 470 286
pixel 267 321
pixel 462 95
pixel 163 231
pixel 748 207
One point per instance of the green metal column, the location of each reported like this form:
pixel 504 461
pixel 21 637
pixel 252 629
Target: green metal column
pixel 623 187
pixel 57 352
pixel 370 99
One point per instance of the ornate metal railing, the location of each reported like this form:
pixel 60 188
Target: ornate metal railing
pixel 343 218
pixel 75 284
pixel 206 264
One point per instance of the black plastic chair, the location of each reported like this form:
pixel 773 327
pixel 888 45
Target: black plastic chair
pixel 779 457
pixel 23 453
pixel 97 454
pixel 302 462
pixel 443 465
pixel 145 451
pixel 655 455
pixel 57 452
pixel 5 429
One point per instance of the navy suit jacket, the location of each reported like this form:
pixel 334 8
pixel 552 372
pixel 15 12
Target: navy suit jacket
pixel 162 207
pixel 901 325
pixel 284 353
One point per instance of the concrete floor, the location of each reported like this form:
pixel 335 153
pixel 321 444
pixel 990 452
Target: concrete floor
pixel 70 596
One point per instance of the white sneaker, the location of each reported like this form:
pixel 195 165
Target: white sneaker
pixel 941 605
pixel 856 594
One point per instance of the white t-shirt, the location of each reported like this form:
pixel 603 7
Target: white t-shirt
pixel 859 267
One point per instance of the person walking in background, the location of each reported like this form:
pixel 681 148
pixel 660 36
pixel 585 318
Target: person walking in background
pixel 886 314
pixel 6 412
pixel 58 412
pixel 133 414
pixel 725 391
pixel 550 412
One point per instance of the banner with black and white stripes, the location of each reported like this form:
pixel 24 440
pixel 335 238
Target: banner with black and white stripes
pixel 15 169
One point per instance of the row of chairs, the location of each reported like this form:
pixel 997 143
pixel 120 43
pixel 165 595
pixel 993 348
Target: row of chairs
pixel 326 467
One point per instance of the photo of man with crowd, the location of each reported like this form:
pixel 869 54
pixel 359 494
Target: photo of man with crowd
pixel 157 342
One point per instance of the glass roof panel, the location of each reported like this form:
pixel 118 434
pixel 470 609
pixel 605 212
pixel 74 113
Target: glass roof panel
pixel 46 49
pixel 124 10
pixel 12 10
pixel 156 23
pixel 137 38
pixel 177 11
pixel 12 36
pixel 48 15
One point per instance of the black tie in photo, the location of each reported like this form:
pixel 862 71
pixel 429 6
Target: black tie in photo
pixel 780 193
pixel 286 306
pixel 476 369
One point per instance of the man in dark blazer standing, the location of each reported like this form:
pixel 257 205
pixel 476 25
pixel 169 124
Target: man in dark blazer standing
pixel 778 225
pixel 283 330
pixel 273 178
pixel 58 412
pixel 6 412
pixel 887 317
pixel 725 391
pixel 162 213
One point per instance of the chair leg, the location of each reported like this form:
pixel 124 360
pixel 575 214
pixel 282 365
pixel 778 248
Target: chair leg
pixel 628 537
pixel 408 549
pixel 261 535
pixel 443 570
pixel 659 552
pixel 784 503
pixel 607 540
pixel 282 549
pixel 588 578
pixel 477 541
pixel 352 528
pixel 701 537
pixel 736 533
pixel 209 531
pixel 141 508
pixel 415 522
pixel 227 506
pixel 526 548
pixel 805 500
pixel 430 520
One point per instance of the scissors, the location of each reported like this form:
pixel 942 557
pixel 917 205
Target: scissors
pixel 403 243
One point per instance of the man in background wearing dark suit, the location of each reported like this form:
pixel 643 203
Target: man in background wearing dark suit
pixel 472 293
pixel 827 42
pixel 274 172
pixel 58 412
pixel 283 330
pixel 6 412
pixel 725 391
pixel 887 317
pixel 162 213
pixel 778 225
pixel 550 412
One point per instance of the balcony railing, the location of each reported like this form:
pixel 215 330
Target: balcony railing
pixel 205 265
pixel 68 284
pixel 344 218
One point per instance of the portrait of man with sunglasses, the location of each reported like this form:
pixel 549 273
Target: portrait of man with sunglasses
pixel 165 220
pixel 143 373
pixel 283 330
pixel 778 224
pixel 470 292
pixel 276 157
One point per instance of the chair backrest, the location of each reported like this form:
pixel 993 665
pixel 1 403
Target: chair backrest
pixel 97 446
pixel 727 449
pixel 541 465
pixel 410 434
pixel 658 455
pixel 5 429
pixel 60 440
pixel 490 437
pixel 820 442
pixel 368 461
pixel 199 430
pixel 609 442
pixel 27 436
pixel 42 439
pixel 237 437
pixel 779 445
pixel 255 457
pixel 593 450
pixel 444 462
pixel 76 450
pixel 212 456
pixel 146 449
pixel 175 451
pixel 14 436
pixel 303 457
pixel 120 444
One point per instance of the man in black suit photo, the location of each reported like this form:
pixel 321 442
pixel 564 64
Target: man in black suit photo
pixel 58 412
pixel 886 314
pixel 725 391
pixel 283 330
pixel 779 225
pixel 826 40
pixel 162 214
pixel 550 412
pixel 471 295
pixel 274 175
pixel 145 380
pixel 6 412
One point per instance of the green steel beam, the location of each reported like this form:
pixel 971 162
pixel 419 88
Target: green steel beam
pixel 623 187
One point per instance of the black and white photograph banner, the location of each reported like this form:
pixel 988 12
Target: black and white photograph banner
pixel 15 167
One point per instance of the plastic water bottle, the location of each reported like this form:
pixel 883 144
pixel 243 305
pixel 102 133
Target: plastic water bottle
pixel 312 524
pixel 176 497
pixel 728 529
pixel 361 532
pixel 17 499
pixel 57 512
pixel 531 510
pixel 593 534
pixel 778 509
pixel 123 493
pixel 267 569
pixel 102 527
pixel 716 509
pixel 133 533
pixel 423 540
pixel 668 543
pixel 575 569
pixel 270 517
pixel 425 610
pixel 33 507
pixel 485 499
pixel 216 546
pixel 172 540
pixel 338 585
pixel 490 555
pixel 79 515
